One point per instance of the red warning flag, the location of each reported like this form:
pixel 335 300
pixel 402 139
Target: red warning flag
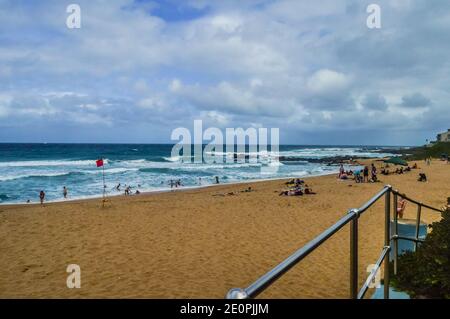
pixel 99 162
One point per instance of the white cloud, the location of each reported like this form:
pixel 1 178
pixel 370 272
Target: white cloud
pixel 215 119
pixel 326 81
pixel 293 64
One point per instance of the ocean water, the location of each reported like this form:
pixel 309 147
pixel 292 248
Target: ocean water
pixel 26 169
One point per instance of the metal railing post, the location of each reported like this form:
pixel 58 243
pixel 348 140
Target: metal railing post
pixel 354 254
pixel 387 241
pixel 419 211
pixel 395 239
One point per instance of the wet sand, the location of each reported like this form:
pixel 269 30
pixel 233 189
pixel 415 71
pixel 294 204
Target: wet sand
pixel 200 243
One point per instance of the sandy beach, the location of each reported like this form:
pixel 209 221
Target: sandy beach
pixel 200 243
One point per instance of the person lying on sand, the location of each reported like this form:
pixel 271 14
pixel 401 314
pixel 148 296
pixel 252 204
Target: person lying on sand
pixel 292 181
pixel 295 182
pixel 292 192
pixel 248 190
pixel 227 194
pixel 308 190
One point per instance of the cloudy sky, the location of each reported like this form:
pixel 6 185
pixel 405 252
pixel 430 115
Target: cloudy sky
pixel 136 70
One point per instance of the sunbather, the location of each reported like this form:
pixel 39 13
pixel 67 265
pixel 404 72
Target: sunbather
pixel 292 192
pixel 309 191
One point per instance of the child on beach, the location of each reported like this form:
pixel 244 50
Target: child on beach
pixel 357 176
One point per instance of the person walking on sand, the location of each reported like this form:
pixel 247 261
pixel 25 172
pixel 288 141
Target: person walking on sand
pixel 374 173
pixel 65 192
pixel 42 197
pixel 341 170
pixel 366 174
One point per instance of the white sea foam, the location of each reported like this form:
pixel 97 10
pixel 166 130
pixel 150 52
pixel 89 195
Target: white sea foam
pixel 14 177
pixel 51 163
pixel 173 158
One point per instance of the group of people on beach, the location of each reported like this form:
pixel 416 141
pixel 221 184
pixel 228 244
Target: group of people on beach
pixel 42 195
pixel 127 189
pixel 297 187
pixel 359 175
pixel 398 170
pixel 362 176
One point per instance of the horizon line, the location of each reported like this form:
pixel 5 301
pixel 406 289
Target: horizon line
pixel 165 143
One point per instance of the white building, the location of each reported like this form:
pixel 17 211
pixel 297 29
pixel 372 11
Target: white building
pixel 444 137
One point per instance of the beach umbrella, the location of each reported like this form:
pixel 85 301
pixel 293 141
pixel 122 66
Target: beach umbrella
pixel 396 161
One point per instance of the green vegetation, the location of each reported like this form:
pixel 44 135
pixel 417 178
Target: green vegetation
pixel 426 273
pixel 435 151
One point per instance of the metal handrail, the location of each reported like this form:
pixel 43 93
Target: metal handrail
pixel 351 217
pixel 416 240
